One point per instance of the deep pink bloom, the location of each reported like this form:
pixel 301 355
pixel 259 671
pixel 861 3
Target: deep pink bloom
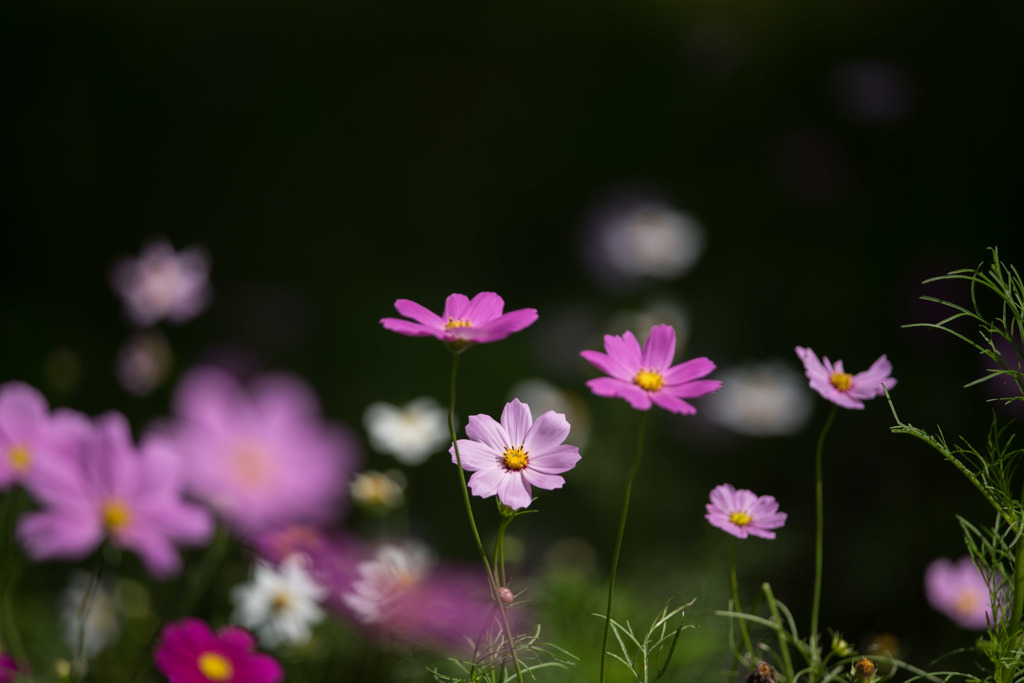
pixel 190 652
pixel 263 457
pixel 509 457
pixel 111 490
pixel 648 376
pixel 463 321
pixel 846 390
pixel 8 668
pixel 31 439
pixel 959 590
pixel 742 514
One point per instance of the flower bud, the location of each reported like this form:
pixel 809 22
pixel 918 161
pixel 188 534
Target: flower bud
pixel 506 595
pixel 763 673
pixel 863 671
pixel 840 647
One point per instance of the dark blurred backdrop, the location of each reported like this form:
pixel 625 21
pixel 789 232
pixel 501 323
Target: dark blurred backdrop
pixel 332 157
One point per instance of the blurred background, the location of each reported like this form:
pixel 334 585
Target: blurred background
pixel 760 175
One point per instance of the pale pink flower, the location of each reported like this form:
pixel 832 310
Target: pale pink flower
pixel 261 457
pixel 959 590
pixel 742 514
pixel 162 283
pixel 509 457
pixel 464 321
pixel 646 377
pixel 112 491
pixel 840 387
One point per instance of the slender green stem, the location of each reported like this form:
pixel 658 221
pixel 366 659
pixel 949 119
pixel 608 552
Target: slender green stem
pixel 819 535
pixel 736 602
pixel 499 551
pixel 787 662
pixel 491 578
pixel 1018 590
pixel 78 665
pixel 12 568
pixel 618 540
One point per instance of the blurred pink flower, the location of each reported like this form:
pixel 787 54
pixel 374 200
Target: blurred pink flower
pixel 840 387
pixel 31 438
pixel 509 457
pixel 741 513
pixel 261 458
pixel 9 670
pixel 162 283
pixel 112 491
pixel 960 591
pixel 463 321
pixel 190 652
pixel 648 376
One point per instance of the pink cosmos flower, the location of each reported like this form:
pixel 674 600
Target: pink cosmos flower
pixel 960 591
pixel 263 457
pixel 840 387
pixel 464 321
pixel 190 652
pixel 8 668
pixel 162 283
pixel 112 491
pixel 742 514
pixel 508 458
pixel 648 376
pixel 31 439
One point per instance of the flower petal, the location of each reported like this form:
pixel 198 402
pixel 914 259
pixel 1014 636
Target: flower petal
pixel 455 308
pixel 484 308
pixel 485 483
pixel 550 430
pixel 617 388
pixel 487 430
pixel 514 491
pixel 555 460
pixel 419 313
pixel 688 371
pixel 475 456
pixel 659 348
pixel 517 419
pixel 672 404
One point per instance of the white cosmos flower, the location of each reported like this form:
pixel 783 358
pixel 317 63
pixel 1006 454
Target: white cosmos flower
pixel 102 621
pixel 410 433
pixel 163 283
pixel 760 399
pixel 280 604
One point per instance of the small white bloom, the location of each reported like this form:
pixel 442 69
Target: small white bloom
pixel 162 283
pixel 143 362
pixel 102 621
pixel 280 604
pixel 410 433
pixel 379 490
pixel 765 399
pixel 384 578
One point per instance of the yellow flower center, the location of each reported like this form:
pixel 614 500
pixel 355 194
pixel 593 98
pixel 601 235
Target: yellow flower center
pixel 282 601
pixel 116 516
pixel 649 380
pixel 20 457
pixel 516 458
pixel 215 667
pixel 250 465
pixel 966 603
pixel 841 380
pixel 453 323
pixel 740 518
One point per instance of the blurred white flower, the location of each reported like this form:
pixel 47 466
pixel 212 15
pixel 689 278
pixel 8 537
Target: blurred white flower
pixel 378 490
pixel 382 580
pixel 410 433
pixel 143 362
pixel 543 396
pixel 102 621
pixel 162 283
pixel 760 399
pixel 280 604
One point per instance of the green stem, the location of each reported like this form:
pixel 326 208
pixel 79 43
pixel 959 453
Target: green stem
pixel 1018 590
pixel 12 568
pixel 787 662
pixel 499 551
pixel 491 579
pixel 819 533
pixel 618 540
pixel 736 602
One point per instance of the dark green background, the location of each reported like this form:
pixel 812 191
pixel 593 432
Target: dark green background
pixel 333 157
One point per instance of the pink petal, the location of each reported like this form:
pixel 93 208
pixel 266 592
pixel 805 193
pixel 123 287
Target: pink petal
pixel 455 308
pixel 422 315
pixel 484 308
pixel 502 327
pixel 555 460
pixel 610 365
pixel 487 430
pixel 517 419
pixel 626 349
pixel 694 389
pixel 617 388
pixel 688 371
pixel 550 430
pixel 69 533
pixel 23 412
pixel 659 348
pixel 543 480
pixel 155 550
pixel 411 329
pixel 665 400
pixel 514 491
pixel 485 483
pixel 475 456
pixel 109 460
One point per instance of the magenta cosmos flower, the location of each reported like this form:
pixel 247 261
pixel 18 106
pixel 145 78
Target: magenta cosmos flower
pixel 509 457
pixel 647 376
pixel 840 387
pixel 742 514
pixel 31 438
pixel 960 591
pixel 464 321
pixel 262 458
pixel 190 652
pixel 113 491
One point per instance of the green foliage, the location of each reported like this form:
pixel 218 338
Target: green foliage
pixel 641 655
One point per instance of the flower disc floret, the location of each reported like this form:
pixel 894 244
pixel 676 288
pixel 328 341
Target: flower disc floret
pixel 646 377
pixel 464 321
pixel 843 388
pixel 510 457
pixel 742 513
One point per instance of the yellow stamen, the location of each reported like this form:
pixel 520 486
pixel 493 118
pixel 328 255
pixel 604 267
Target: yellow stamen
pixel 281 601
pixel 740 518
pixel 841 380
pixel 20 457
pixel 516 458
pixel 966 603
pixel 215 667
pixel 116 516
pixel 650 380
pixel 452 323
